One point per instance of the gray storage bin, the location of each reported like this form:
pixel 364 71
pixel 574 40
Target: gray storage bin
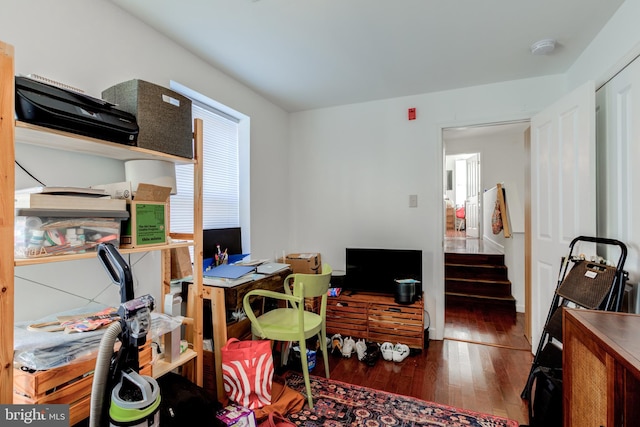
pixel 164 116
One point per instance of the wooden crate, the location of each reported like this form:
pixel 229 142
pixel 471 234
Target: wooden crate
pixel 346 317
pixel 70 384
pixel 240 329
pixel 396 323
pixel 233 296
pixel 376 318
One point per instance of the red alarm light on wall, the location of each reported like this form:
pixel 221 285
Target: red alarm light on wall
pixel 412 113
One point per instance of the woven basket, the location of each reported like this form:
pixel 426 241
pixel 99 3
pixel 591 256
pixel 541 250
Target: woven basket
pixel 588 284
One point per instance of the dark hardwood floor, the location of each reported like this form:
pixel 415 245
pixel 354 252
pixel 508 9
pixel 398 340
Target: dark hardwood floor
pixel 481 365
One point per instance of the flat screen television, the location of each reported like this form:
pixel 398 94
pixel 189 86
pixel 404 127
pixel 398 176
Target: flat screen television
pixel 228 238
pixel 375 270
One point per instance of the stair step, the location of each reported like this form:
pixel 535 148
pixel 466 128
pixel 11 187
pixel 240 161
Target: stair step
pixel 499 303
pixel 478 280
pixel 491 288
pixel 481 272
pixel 473 259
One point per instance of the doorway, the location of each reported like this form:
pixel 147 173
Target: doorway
pixel 462 195
pixel 498 151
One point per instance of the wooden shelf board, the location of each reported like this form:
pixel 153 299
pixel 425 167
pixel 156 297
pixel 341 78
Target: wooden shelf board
pixel 88 255
pixel 27 133
pixel 161 367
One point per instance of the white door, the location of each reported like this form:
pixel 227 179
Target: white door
pixel 563 185
pixel 472 203
pixel 618 142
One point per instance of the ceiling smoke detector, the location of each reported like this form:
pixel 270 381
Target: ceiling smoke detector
pixel 543 47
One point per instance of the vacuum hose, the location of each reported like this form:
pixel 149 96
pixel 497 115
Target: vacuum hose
pixel 101 373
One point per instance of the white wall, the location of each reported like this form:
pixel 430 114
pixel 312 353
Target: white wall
pixel 93 45
pixel 615 46
pixel 353 168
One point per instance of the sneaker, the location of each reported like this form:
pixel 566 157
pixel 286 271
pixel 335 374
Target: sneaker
pixel 387 351
pixel 400 352
pixel 348 347
pixel 373 354
pixel 336 345
pixel 361 349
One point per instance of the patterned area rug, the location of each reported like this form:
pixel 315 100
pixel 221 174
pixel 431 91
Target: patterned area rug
pixel 340 404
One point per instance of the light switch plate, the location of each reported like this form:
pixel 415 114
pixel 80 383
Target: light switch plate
pixel 413 200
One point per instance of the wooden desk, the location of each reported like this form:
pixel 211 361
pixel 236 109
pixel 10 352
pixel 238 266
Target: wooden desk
pixel 223 299
pixel 601 368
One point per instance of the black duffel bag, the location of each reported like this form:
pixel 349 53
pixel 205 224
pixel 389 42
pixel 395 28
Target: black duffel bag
pixel 545 389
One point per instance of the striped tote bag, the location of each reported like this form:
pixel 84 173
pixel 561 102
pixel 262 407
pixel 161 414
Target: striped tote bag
pixel 247 370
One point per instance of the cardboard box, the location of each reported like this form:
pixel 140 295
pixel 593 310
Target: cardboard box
pixel 164 116
pixel 147 224
pixel 181 265
pixel 307 263
pixel 236 416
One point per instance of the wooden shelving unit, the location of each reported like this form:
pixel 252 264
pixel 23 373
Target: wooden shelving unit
pixel 12 131
pixel 7 186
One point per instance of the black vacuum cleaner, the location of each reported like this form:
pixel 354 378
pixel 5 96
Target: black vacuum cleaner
pixel 120 396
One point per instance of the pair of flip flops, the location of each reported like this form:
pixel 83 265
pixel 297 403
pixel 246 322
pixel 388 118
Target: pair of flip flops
pixel 396 353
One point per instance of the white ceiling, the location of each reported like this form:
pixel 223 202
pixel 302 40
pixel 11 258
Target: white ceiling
pixel 306 54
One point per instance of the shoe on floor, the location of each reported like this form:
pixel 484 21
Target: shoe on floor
pixel 348 347
pixel 387 351
pixel 336 345
pixel 400 352
pixel 373 354
pixel 361 349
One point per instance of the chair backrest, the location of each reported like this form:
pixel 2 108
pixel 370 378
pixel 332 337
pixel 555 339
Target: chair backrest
pixel 312 285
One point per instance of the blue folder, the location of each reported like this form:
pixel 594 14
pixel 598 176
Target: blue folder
pixel 227 271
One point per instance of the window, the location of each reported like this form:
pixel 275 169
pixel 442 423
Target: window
pixel 221 182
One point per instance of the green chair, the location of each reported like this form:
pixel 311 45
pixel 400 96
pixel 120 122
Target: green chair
pixel 294 323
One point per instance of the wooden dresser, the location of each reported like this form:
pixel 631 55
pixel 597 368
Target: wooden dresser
pixel 601 364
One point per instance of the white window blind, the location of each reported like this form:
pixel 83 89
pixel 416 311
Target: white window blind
pixel 220 198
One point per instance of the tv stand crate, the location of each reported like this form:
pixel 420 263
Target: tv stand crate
pixel 376 318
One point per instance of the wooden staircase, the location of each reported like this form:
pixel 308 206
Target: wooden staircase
pixel 477 279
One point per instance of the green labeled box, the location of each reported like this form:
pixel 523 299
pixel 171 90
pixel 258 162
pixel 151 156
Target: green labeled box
pixel 148 216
